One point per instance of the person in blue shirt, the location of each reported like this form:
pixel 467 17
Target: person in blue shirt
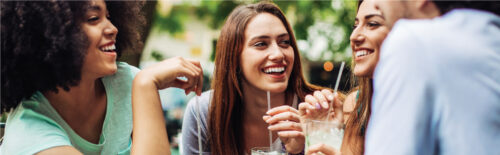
pixel 437 82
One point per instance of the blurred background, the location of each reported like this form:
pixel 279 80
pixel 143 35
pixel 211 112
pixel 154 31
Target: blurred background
pixel 190 28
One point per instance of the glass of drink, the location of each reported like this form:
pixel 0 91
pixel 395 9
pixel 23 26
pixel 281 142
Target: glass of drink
pixel 328 132
pixel 266 151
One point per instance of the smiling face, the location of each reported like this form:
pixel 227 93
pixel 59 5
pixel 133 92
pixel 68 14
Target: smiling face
pixel 100 59
pixel 267 57
pixel 367 37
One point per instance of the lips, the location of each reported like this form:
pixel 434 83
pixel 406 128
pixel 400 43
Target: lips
pixel 359 53
pixel 109 47
pixel 275 69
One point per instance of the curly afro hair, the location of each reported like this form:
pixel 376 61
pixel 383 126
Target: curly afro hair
pixel 43 45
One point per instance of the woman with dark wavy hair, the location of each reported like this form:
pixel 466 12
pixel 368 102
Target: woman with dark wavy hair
pixel 60 74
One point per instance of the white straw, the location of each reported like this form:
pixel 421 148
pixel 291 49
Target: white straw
pixel 200 148
pixel 269 108
pixel 336 87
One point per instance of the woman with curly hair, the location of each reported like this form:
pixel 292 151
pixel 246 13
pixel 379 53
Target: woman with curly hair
pixel 60 74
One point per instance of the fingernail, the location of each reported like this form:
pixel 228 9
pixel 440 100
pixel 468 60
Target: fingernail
pixel 318 106
pixel 325 105
pixel 330 97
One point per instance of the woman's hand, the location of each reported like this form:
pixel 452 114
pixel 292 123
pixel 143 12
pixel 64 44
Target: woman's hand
pixel 166 74
pixel 316 106
pixel 286 121
pixel 322 148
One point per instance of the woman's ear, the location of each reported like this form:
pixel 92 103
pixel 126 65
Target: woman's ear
pixel 426 8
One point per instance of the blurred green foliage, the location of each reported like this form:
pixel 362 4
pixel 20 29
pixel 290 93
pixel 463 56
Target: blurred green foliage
pixel 157 55
pixel 302 15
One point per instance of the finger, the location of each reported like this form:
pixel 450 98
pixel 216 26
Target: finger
pixel 280 109
pixel 322 99
pixel 328 94
pixel 197 66
pixel 266 117
pixel 193 78
pixel 285 126
pixel 312 100
pixel 183 83
pixel 322 148
pixel 194 64
pixel 290 134
pixel 303 108
pixel 338 108
pixel 200 84
pixel 285 116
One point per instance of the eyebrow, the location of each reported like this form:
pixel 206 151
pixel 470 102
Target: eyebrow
pixel 95 8
pixel 267 37
pixel 370 16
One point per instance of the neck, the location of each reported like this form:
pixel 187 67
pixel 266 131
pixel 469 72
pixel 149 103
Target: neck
pixel 83 107
pixel 255 101
pixel 89 90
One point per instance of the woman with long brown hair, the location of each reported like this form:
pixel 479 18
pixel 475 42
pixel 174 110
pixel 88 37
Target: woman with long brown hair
pixel 256 53
pixel 366 39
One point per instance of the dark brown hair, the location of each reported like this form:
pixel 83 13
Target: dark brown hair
pixel 358 120
pixel 226 109
pixel 43 46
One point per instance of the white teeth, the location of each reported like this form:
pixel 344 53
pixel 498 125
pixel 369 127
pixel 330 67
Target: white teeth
pixel 108 48
pixel 361 53
pixel 274 70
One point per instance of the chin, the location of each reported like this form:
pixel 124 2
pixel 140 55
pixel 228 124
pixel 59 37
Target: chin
pixel 277 88
pixel 361 73
pixel 111 70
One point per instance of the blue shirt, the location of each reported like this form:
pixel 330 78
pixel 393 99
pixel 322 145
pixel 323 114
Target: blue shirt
pixel 437 87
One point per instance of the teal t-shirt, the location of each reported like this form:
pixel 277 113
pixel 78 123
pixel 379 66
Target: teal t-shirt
pixel 35 125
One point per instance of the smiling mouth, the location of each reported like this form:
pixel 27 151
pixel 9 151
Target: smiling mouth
pixel 108 48
pixel 274 70
pixel 362 53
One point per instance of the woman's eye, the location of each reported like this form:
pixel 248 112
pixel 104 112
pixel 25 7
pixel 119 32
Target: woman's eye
pixel 93 18
pixel 373 24
pixel 259 44
pixel 286 42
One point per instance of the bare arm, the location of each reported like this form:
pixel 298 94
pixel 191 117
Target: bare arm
pixel 149 133
pixel 60 150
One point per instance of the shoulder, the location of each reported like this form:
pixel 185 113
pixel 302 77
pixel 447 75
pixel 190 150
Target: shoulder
pixel 350 101
pixel 203 101
pixel 189 124
pixel 126 69
pixel 120 83
pixel 29 132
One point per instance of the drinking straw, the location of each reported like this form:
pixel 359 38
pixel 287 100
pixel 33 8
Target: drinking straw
pixel 335 89
pixel 200 148
pixel 269 108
